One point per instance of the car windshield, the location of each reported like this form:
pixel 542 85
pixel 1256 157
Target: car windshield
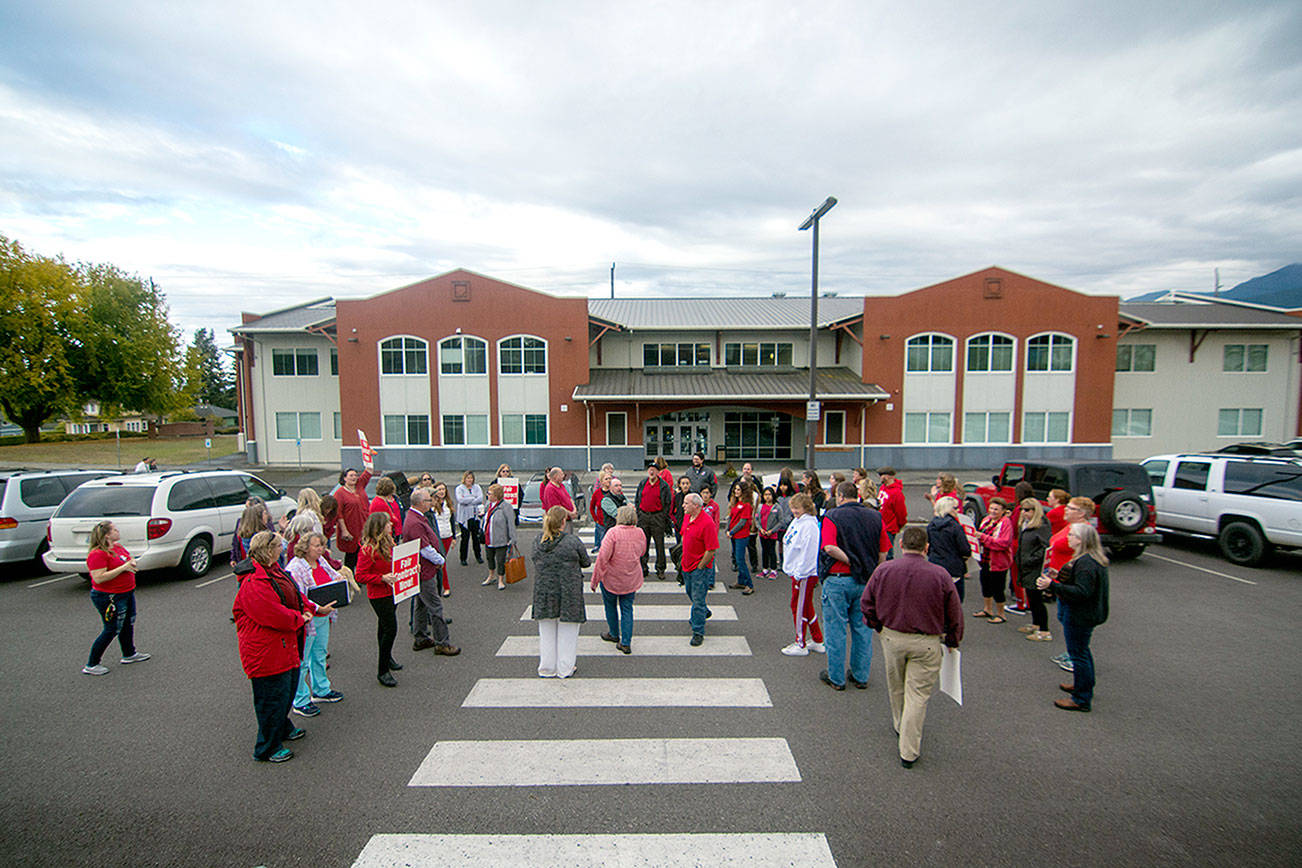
pixel 531 495
pixel 1109 477
pixel 107 501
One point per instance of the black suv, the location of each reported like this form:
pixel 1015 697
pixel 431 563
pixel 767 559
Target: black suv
pixel 1125 514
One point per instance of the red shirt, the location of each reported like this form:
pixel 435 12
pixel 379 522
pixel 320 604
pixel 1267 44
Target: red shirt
pixel 319 575
pixel 98 559
pixel 652 499
pixel 371 570
pixel 739 518
pixel 1057 518
pixel 668 477
pixel 700 535
pixel 895 513
pixel 555 495
pixel 1060 549
pixel 353 509
pixel 712 509
pixel 379 504
pixel 828 538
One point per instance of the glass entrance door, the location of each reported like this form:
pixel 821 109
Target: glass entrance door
pixel 675 436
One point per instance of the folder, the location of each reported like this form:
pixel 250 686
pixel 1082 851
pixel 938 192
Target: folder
pixel 331 592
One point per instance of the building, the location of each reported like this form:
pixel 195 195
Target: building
pixel 91 421
pixel 464 371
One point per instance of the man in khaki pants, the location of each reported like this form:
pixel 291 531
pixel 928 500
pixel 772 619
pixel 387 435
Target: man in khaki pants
pixel 914 605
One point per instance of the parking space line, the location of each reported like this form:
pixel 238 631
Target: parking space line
pixel 1196 567
pixel 213 581
pixel 53 580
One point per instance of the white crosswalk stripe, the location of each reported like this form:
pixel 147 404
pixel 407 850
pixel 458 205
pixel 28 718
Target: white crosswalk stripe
pixel 650 612
pixel 618 693
pixel 643 646
pixel 803 849
pixel 583 762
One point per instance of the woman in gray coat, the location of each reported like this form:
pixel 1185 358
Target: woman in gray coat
pixel 558 562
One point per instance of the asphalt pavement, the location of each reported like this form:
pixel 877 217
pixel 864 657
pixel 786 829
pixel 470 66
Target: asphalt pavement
pixel 1190 755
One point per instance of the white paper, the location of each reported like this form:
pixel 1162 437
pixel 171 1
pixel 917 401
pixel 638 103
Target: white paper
pixel 951 674
pixel 406 563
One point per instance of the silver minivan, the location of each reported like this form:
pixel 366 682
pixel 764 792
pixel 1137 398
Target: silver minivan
pixel 27 500
pixel 1249 504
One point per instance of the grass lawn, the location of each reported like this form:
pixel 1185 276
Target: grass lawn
pixel 169 453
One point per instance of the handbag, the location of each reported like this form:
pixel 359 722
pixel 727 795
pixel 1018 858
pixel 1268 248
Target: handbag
pixel 515 570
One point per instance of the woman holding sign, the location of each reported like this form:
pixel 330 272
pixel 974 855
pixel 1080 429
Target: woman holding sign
pixel 353 507
pixel 375 570
pixel 308 569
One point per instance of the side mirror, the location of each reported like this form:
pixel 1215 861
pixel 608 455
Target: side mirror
pixel 280 492
pixel 995 479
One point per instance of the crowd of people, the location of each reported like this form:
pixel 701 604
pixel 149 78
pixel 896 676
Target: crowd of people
pixel 842 538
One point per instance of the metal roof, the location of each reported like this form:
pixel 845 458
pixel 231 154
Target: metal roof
pixel 633 385
pixel 764 312
pixel 292 319
pixel 1184 315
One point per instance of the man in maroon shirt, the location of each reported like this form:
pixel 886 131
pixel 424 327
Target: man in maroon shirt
pixel 552 492
pixel 913 604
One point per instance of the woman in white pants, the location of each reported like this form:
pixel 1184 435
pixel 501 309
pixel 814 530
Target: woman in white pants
pixel 800 545
pixel 558 561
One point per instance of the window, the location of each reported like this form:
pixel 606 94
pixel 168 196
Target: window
pixel 834 428
pixel 1258 479
pixel 42 491
pixel 616 429
pixel 523 356
pixel 757 354
pixel 745 435
pixel 404 356
pixel 676 355
pixel 1046 427
pixel 1156 471
pixel 529 429
pixel 930 354
pixel 463 355
pixel 1132 423
pixel 1136 357
pixel 987 427
pixel 254 487
pixel 334 361
pixel 190 494
pixel 926 427
pixel 1238 422
pixel 1049 353
pixel 294 363
pixel 989 353
pixel 1245 357
pixel 227 490
pixel 1191 475
pixel 339 426
pixel 406 430
pixel 468 430
pixel 298 426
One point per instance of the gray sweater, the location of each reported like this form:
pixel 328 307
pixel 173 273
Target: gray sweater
pixel 558 578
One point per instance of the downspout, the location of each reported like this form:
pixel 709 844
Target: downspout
pixel 587 422
pixel 863 414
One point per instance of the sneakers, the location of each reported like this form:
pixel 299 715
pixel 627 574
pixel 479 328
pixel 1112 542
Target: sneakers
pixel 447 650
pixel 296 733
pixel 308 710
pixel 332 696
pixel 1064 662
pixel 606 637
pixel 97 669
pixel 697 639
pixel 795 649
pixel 138 657
pixel 1017 610
pixel 280 756
pixel 827 679
pixel 860 685
pixel 817 647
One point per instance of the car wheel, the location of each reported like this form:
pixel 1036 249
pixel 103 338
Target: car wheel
pixel 1124 512
pixel 197 558
pixel 1126 552
pixel 1242 544
pixel 972 509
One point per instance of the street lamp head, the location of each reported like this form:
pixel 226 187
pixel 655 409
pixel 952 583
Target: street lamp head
pixel 819 212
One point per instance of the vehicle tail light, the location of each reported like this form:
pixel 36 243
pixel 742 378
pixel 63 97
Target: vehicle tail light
pixel 157 527
pixel 8 523
pixel 49 532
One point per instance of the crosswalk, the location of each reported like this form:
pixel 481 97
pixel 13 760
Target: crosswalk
pixel 544 763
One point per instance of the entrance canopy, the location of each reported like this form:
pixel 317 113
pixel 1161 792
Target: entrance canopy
pixel 833 384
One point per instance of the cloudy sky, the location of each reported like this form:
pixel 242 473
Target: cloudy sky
pixel 249 156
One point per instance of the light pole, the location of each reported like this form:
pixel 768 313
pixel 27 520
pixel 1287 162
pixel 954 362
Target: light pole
pixel 812 410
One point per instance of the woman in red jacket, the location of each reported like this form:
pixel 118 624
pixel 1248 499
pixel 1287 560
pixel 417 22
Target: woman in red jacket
pixel 386 500
pixel 375 571
pixel 270 616
pixel 996 538
pixel 353 509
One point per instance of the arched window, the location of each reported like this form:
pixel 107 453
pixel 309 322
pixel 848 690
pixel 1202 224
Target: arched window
pixel 404 355
pixel 463 355
pixel 522 355
pixel 989 353
pixel 932 354
pixel 1051 352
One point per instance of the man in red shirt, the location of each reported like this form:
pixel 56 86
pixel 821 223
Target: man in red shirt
pixel 700 542
pixel 553 493
pixel 652 502
pixel 890 499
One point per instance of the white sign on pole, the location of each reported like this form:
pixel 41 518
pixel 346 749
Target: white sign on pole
pixel 207 443
pixel 813 410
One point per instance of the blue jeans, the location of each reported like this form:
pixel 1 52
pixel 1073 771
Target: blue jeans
pixel 314 664
pixel 1077 636
pixel 598 534
pixel 697 583
pixel 743 567
pixel 841 607
pixel 121 624
pixel 619 615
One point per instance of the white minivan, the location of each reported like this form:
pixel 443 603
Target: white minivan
pixel 174 519
pixel 1248 503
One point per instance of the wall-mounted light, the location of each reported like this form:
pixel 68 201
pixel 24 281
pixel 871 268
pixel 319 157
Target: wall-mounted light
pixel 884 337
pixel 568 338
pixel 458 329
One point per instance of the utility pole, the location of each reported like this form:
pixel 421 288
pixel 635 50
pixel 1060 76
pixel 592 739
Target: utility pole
pixel 612 280
pixel 1216 286
pixel 812 410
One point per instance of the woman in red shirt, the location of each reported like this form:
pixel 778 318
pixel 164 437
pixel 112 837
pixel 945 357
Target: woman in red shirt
pixel 386 500
pixel 741 520
pixel 996 538
pixel 270 617
pixel 113 594
pixel 1057 508
pixel 375 571
pixel 353 508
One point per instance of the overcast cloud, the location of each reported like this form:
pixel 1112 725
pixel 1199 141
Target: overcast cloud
pixel 252 156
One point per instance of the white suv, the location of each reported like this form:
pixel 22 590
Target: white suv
pixel 173 519
pixel 1248 503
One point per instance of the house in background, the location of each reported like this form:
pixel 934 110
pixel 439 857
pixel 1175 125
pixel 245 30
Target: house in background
pixel 92 421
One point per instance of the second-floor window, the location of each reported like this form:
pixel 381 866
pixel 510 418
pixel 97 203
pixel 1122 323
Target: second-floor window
pixel 523 356
pixel 989 353
pixel 676 355
pixel 929 354
pixel 298 362
pixel 463 355
pixel 1245 357
pixel 1049 353
pixel 404 356
pixel 760 354
pixel 1136 357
